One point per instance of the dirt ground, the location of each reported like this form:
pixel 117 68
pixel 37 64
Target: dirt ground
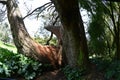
pixel 59 75
pixel 53 75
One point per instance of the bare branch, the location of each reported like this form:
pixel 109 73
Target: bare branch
pixel 3 2
pixel 114 0
pixel 56 19
pixel 109 28
pixel 47 43
pixel 112 17
pixel 50 8
pixel 42 10
pixel 37 9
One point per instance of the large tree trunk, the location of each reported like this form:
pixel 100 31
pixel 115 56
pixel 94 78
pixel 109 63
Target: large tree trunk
pixel 117 40
pixel 74 40
pixel 24 43
pixel 116 29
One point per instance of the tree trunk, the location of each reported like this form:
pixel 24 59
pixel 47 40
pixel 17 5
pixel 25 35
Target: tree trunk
pixel 74 40
pixel 24 43
pixel 57 31
pixel 117 40
pixel 116 27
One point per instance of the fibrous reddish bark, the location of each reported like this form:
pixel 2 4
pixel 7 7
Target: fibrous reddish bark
pixel 24 43
pixel 58 31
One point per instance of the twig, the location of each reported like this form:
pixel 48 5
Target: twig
pixel 3 2
pixel 36 9
pixel 47 43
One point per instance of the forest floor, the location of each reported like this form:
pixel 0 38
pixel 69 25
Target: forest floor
pixel 52 75
pixel 94 73
pixel 59 75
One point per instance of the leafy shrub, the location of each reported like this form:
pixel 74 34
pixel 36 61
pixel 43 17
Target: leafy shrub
pixel 12 63
pixel 110 69
pixel 101 63
pixel 113 71
pixel 73 73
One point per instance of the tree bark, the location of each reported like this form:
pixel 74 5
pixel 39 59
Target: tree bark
pixel 116 29
pixel 74 40
pixel 57 31
pixel 24 43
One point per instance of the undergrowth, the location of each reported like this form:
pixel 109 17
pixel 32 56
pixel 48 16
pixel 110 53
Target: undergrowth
pixel 110 69
pixel 12 64
pixel 17 64
pixel 73 73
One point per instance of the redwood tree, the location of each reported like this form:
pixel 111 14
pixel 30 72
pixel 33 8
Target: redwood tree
pixel 74 40
pixel 24 43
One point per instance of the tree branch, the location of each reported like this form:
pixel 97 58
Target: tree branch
pixel 3 2
pixel 109 28
pixel 112 17
pixel 47 43
pixel 36 9
pixel 114 0
pixel 56 19
pixel 42 10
